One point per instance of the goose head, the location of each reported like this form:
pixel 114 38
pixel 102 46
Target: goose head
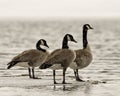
pixel 41 42
pixel 69 37
pixel 87 27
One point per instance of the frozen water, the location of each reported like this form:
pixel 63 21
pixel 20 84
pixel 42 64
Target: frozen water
pixel 102 76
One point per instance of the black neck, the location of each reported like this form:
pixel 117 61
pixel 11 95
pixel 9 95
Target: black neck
pixel 39 48
pixel 65 43
pixel 85 42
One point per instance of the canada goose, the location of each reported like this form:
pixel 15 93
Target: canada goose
pixel 31 58
pixel 60 58
pixel 83 56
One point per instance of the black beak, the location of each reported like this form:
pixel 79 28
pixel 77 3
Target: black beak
pixel 91 28
pixel 74 40
pixel 46 45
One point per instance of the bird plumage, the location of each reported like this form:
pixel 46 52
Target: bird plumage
pixel 30 58
pixel 60 58
pixel 83 56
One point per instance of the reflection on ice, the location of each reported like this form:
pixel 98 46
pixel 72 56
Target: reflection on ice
pixel 102 76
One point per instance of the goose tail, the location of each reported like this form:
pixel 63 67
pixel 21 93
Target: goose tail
pixel 11 64
pixel 45 65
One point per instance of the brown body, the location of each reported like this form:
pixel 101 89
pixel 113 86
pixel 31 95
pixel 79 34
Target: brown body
pixel 32 58
pixel 61 58
pixel 83 58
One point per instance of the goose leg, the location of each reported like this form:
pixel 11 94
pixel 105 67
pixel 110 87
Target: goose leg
pixel 75 73
pixel 54 77
pixel 29 71
pixel 77 76
pixel 33 73
pixel 64 70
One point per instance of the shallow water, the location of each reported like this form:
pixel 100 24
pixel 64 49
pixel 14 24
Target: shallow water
pixel 102 76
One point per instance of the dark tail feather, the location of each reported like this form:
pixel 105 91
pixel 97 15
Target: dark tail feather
pixel 11 64
pixel 44 66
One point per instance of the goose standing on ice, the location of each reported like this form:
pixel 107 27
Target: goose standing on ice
pixel 83 56
pixel 60 58
pixel 31 58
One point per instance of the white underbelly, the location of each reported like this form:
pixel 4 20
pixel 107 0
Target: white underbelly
pixel 73 65
pixel 56 67
pixel 22 64
pixel 81 65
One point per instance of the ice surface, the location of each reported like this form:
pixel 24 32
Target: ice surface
pixel 102 76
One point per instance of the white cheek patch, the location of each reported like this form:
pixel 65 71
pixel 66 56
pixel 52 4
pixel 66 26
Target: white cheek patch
pixel 42 43
pixel 88 27
pixel 68 38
